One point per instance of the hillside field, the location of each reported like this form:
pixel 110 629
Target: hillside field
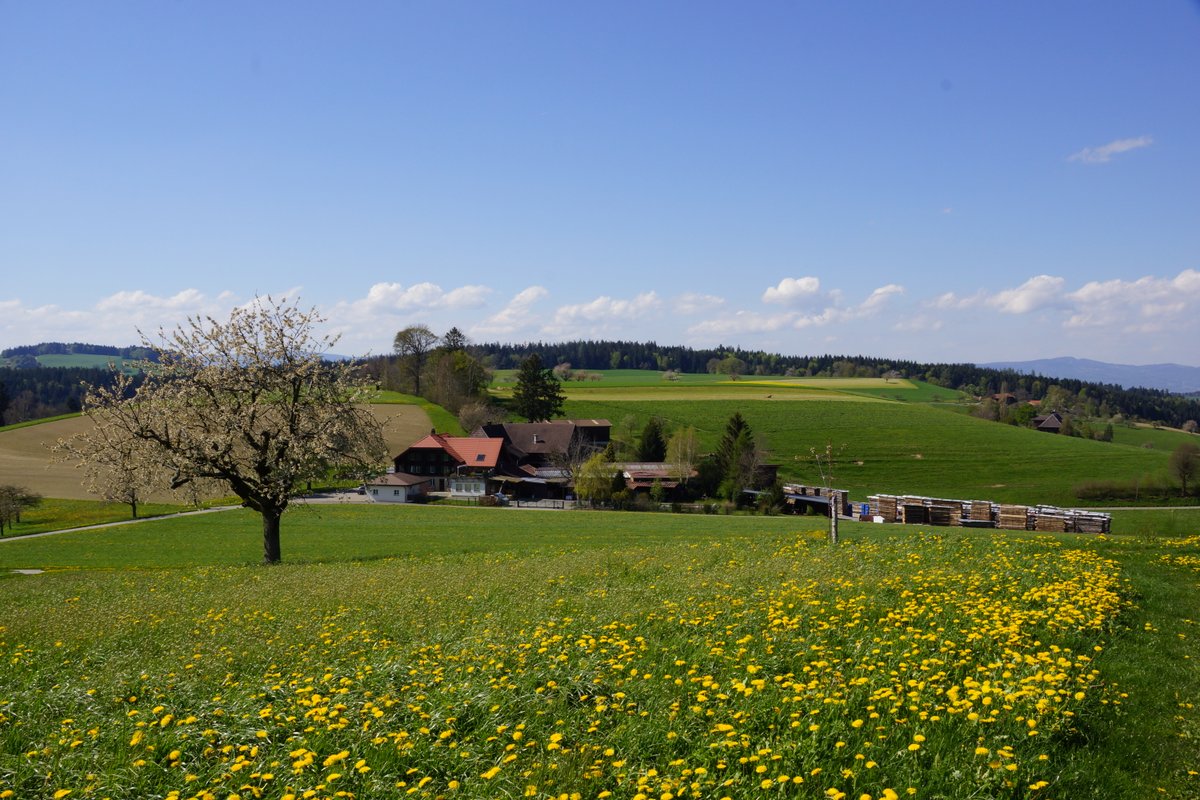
pixel 885 446
pixel 26 458
pixel 481 653
pixel 97 361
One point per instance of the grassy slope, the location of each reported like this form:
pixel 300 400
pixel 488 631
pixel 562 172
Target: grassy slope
pixel 903 447
pixel 1163 439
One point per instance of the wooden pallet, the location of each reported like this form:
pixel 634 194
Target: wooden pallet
pixel 1013 518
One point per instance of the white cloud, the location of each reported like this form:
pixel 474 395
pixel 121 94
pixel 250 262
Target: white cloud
pixel 919 323
pixel 740 322
pixel 598 317
pixel 118 319
pixel 138 301
pixel 473 296
pixel 1037 292
pixel 691 303
pixel 607 308
pixel 1104 153
pixel 874 303
pixel 790 291
pixel 749 322
pixel 394 297
pixel 517 316
pixel 949 301
pixel 879 298
pixel 1148 304
pixel 826 317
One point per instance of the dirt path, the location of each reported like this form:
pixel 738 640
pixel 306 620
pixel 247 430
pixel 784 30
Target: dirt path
pixel 214 509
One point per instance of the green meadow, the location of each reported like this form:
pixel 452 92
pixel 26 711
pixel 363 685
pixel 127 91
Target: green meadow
pixel 885 446
pixel 480 653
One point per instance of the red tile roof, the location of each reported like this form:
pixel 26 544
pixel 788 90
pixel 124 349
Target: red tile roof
pixel 470 451
pixel 475 452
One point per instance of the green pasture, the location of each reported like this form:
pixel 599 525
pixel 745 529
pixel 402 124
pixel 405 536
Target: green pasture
pixel 54 514
pixel 655 382
pixel 1157 523
pixel 476 653
pixel 506 378
pixel 331 532
pixel 86 360
pixel 1163 439
pixel 900 448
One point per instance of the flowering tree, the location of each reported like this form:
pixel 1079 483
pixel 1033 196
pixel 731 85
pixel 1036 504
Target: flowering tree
pixel 248 404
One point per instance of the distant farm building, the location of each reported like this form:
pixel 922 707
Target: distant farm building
pixel 396 487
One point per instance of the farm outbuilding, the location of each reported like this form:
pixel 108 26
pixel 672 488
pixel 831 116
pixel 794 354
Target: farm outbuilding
pixel 396 487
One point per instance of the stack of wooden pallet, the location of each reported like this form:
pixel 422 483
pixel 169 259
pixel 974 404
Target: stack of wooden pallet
pixel 913 511
pixel 888 508
pixel 941 513
pixel 1089 521
pixel 1013 518
pixel 981 511
pixel 1050 519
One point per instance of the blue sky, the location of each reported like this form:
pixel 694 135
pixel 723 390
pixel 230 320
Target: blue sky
pixel 935 181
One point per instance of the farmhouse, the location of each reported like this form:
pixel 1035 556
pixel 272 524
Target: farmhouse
pixel 527 460
pixel 459 465
pixel 537 457
pixel 1048 423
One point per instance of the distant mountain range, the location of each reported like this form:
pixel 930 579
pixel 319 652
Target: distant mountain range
pixel 1176 378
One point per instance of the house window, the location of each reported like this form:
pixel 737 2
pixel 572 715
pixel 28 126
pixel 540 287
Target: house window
pixel 396 492
pixel 375 491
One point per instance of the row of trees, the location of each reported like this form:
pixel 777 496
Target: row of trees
pixel 40 392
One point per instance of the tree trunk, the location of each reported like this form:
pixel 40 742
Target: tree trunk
pixel 271 552
pixel 834 497
pixel 133 508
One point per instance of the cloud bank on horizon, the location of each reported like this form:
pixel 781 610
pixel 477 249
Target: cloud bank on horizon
pixel 794 316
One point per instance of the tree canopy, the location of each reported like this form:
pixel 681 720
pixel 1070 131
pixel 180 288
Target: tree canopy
pixel 1184 463
pixel 538 394
pixel 652 446
pixel 248 405
pixel 413 345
